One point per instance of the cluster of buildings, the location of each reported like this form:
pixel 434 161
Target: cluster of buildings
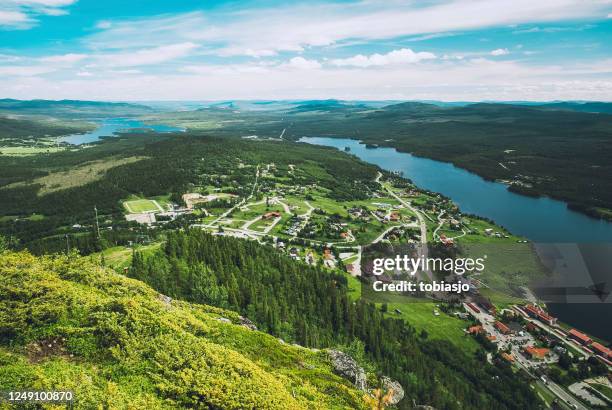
pixel 597 348
pixel 538 313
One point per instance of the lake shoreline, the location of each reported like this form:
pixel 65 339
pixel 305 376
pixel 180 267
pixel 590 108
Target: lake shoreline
pixel 516 190
pixel 543 220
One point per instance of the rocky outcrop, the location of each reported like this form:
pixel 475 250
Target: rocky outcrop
pixel 345 366
pixel 167 300
pixel 390 385
pixel 245 322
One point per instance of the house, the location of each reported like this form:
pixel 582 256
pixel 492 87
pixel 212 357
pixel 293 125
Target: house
pixel 538 313
pixel 486 304
pixel 473 307
pixel 601 350
pixel 270 215
pixel 579 337
pixel 395 216
pixel 344 235
pixel 446 241
pixel 536 353
pixel 502 327
pixel 508 357
pixel 474 330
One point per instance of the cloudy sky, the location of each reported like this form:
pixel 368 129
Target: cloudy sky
pixel 465 50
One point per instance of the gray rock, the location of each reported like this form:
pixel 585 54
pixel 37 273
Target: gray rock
pixel 245 322
pixel 347 367
pixel 398 391
pixel 167 300
pixel 224 320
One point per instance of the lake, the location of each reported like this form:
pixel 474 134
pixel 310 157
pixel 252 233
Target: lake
pixel 112 126
pixel 538 219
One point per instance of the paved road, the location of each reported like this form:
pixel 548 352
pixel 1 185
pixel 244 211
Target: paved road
pixel 423 249
pixel 562 394
pixel 239 204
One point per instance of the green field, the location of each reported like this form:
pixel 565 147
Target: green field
pixel 29 150
pixel 140 205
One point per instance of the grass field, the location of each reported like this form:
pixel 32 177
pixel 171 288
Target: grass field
pixel 24 151
pixel 420 315
pixel 77 176
pixel 119 257
pixel 140 205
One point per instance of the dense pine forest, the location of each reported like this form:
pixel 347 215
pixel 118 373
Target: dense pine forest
pixel 313 307
pixel 163 164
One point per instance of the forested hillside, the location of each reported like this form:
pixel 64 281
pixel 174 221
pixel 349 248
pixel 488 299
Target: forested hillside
pixel 313 307
pixel 167 164
pixel 561 150
pixel 67 324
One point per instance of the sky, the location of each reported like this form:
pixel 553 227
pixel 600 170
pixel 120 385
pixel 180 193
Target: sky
pixel 448 50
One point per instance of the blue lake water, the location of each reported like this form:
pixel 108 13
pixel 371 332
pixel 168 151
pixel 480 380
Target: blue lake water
pixel 112 126
pixel 538 219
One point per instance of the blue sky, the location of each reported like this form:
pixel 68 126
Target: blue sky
pixel 464 50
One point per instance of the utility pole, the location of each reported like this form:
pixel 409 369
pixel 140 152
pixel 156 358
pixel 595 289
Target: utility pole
pixel 97 224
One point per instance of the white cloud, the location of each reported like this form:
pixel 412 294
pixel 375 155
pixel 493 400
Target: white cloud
pixel 401 56
pixel 24 71
pixel 21 14
pixel 104 24
pixel 302 63
pixel 469 79
pixel 13 18
pixel 500 52
pixel 146 56
pixel 69 58
pixel 295 27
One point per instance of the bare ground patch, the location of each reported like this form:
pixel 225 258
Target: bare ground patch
pixel 80 175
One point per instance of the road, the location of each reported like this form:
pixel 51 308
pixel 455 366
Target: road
pixel 423 226
pixel 239 204
pixel 562 394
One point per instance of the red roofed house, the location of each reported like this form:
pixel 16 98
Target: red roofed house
pixel 579 337
pixel 502 328
pixel 537 313
pixel 445 240
pixel 536 353
pixel 508 357
pixel 601 350
pixel 273 214
pixel 474 330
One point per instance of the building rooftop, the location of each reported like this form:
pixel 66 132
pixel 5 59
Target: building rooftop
pixel 580 336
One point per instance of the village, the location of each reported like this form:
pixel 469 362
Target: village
pixel 308 225
pixel 532 340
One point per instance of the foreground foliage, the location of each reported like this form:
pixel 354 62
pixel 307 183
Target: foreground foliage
pixel 67 324
pixel 312 307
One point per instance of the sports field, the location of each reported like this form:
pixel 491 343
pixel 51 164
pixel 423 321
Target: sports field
pixel 141 205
